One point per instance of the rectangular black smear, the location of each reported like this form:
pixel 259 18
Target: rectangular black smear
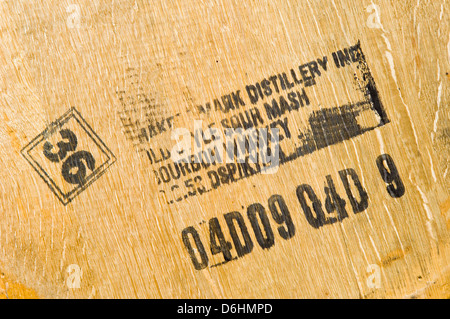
pixel 337 124
pixel 329 126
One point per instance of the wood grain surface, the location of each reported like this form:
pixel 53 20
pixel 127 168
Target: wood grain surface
pixel 369 78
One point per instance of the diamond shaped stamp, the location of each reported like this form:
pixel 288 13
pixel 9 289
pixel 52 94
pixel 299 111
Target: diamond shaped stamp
pixel 68 155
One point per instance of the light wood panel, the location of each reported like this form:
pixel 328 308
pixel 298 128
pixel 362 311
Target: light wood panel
pixel 122 75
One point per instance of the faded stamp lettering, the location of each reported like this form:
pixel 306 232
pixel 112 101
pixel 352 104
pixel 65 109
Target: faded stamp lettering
pixel 275 102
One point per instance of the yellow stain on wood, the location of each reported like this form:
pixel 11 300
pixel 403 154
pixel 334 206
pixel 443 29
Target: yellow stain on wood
pixel 393 256
pixel 445 208
pixel 10 288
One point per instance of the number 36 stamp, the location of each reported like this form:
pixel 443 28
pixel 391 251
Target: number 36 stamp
pixel 68 155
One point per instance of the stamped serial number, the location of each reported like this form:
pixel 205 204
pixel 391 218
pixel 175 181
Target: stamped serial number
pixel 261 218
